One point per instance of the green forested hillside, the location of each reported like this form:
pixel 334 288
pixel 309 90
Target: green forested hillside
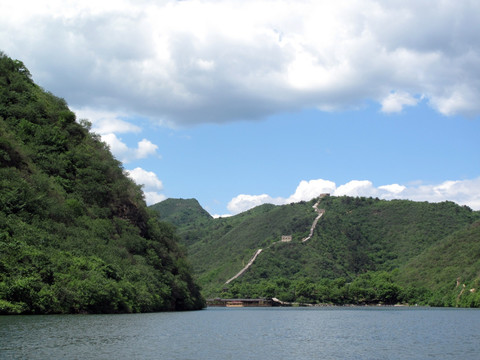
pixel 75 233
pixel 453 262
pixel 181 211
pixel 361 251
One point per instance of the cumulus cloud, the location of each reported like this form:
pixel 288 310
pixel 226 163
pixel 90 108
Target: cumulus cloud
pixel 117 147
pixel 153 197
pixel 186 62
pixel 121 151
pixel 145 149
pixel 395 102
pixel 106 122
pixel 306 190
pixel 147 178
pixel 244 202
pixel 310 189
pixel 463 192
pixel 150 182
pixel 393 188
pixel 356 188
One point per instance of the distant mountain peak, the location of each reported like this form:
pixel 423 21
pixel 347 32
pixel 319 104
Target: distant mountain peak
pixel 180 211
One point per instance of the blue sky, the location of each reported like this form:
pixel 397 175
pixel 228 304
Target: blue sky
pixel 215 163
pixel 241 103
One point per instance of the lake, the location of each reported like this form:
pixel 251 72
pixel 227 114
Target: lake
pixel 248 333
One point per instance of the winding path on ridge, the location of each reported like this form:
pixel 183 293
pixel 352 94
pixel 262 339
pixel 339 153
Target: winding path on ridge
pixel 312 229
pixel 246 266
pixel 314 225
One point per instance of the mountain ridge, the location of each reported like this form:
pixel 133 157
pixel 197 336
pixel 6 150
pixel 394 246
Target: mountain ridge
pixel 354 236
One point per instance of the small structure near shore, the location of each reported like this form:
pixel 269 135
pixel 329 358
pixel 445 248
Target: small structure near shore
pixel 262 302
pixel 240 302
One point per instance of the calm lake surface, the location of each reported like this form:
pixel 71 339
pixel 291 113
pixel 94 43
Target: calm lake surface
pixel 248 333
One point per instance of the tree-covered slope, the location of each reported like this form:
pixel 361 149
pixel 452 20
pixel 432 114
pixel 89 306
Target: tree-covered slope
pixel 356 241
pixel 452 263
pixel 219 248
pixel 75 233
pixel 181 211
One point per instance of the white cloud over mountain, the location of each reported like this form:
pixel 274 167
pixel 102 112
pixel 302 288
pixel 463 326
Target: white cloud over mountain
pixel 145 148
pixel 150 182
pixel 187 62
pixel 463 192
pixel 108 124
pixel 147 178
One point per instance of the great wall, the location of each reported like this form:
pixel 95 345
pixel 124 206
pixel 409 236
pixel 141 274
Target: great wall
pixel 246 266
pixel 314 225
pixel 284 238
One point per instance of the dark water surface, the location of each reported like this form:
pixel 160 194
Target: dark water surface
pixel 248 333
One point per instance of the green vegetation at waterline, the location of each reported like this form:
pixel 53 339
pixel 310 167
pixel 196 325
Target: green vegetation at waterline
pixel 363 251
pixel 364 289
pixel 75 233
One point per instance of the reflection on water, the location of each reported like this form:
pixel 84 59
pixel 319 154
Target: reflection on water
pixel 247 333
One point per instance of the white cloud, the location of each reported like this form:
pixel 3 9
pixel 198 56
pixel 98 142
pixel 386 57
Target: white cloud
pixel 150 182
pixel 393 188
pixel 307 190
pixel 216 216
pixel 356 188
pixel 106 122
pixel 395 102
pixel 117 147
pixel 457 100
pixel 185 62
pixel 244 202
pixel 153 197
pixel 147 178
pixel 463 192
pixel 145 149
pixel 122 152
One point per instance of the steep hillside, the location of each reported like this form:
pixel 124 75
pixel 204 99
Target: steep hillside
pixel 356 241
pixel 220 248
pixel 75 233
pixel 452 263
